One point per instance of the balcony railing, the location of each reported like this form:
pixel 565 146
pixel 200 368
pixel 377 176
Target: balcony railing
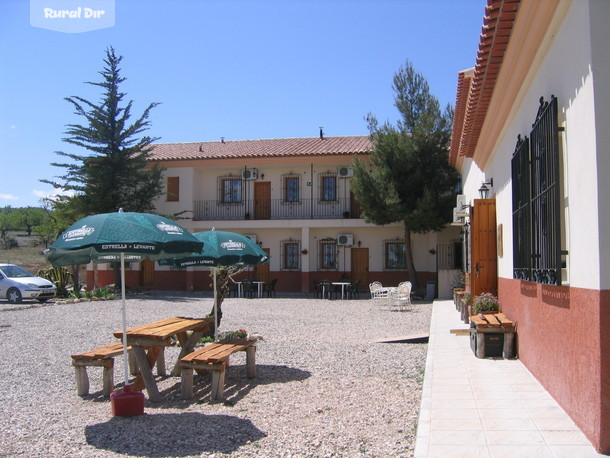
pixel 275 209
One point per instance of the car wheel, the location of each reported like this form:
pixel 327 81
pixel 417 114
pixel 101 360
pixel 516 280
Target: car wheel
pixel 13 295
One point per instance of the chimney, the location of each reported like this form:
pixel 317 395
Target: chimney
pixel 222 139
pixel 321 133
pixel 201 148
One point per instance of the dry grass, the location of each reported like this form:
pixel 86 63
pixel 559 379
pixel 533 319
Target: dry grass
pixel 27 255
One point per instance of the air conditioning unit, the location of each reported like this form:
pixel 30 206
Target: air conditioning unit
pixel 250 174
pixel 462 208
pixel 251 237
pixel 345 172
pixel 460 201
pixel 457 219
pixel 345 239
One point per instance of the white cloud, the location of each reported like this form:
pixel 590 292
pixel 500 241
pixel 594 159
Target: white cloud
pixel 8 197
pixel 51 194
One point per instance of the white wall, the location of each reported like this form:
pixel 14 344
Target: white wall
pixel 600 33
pixel 186 176
pixel 564 71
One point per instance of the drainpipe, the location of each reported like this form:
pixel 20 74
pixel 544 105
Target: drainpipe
pixel 311 192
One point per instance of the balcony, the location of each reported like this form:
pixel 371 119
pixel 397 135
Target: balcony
pixel 206 210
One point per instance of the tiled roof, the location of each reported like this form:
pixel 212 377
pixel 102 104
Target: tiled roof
pixel 461 102
pixel 278 147
pixel 475 98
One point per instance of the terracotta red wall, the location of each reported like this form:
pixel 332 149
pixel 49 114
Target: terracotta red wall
pixel 563 338
pixel 178 280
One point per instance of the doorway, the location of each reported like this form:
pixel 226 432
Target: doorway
pixel 484 263
pixel 360 266
pixel 262 199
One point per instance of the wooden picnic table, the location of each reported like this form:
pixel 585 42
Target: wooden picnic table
pixel 148 340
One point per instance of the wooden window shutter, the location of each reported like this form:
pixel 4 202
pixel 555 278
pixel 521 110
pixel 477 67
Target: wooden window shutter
pixel 173 189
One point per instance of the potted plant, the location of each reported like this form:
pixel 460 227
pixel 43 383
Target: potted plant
pixel 485 303
pixel 465 306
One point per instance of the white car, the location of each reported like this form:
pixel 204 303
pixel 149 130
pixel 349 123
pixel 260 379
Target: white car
pixel 17 284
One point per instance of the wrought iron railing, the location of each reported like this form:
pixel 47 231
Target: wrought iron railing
pixel 275 209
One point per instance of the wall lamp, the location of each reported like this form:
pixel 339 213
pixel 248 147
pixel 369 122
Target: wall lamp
pixel 484 190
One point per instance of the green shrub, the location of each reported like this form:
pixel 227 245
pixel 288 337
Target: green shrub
pixel 60 277
pixel 239 334
pixel 206 339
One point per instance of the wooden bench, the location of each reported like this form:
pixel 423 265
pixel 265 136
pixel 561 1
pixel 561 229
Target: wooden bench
pixel 493 324
pixel 215 357
pixel 102 356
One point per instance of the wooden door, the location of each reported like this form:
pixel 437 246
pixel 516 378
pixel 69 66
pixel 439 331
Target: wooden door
pixel 262 199
pixel 147 273
pixel 360 267
pixel 261 271
pixel 484 264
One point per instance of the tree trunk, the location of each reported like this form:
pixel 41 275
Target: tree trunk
pixel 222 287
pixel 410 263
pixel 117 275
pixel 75 278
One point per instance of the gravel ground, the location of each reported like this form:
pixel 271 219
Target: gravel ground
pixel 324 387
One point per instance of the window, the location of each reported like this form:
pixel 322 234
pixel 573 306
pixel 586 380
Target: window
pixel 327 258
pixel 230 190
pixel 394 254
pixel 290 255
pixel 173 189
pixel 536 200
pixel 328 188
pixel 291 188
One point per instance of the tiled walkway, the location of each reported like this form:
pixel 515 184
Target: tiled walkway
pixel 488 407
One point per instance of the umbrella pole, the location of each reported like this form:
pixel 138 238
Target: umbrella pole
pixel 215 310
pixel 124 320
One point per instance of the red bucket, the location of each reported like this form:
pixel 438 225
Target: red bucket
pixel 127 403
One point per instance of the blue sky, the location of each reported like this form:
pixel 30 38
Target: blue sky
pixel 234 69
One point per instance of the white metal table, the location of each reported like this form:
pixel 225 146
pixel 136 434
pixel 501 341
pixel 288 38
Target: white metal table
pixel 343 284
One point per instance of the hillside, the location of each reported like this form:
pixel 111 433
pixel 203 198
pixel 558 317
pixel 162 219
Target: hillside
pixel 28 253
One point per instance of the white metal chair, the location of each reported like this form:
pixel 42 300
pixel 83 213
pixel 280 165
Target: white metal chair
pixel 401 296
pixel 376 289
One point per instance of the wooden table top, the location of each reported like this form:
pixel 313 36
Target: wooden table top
pixel 164 329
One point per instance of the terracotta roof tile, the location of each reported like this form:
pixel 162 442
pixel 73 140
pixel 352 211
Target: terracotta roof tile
pixel 278 147
pixel 473 99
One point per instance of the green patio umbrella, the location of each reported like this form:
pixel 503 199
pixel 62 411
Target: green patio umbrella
pixel 221 248
pixel 112 237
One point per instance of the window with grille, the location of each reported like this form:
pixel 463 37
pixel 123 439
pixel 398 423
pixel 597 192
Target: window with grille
pixel 394 255
pixel 173 189
pixel 230 189
pixel 291 188
pixel 535 171
pixel 290 255
pixel 327 255
pixel 328 187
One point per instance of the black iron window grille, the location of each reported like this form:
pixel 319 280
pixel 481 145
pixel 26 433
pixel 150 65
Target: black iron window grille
pixel 290 254
pixel 536 200
pixel 395 257
pixel 291 188
pixel 327 257
pixel 328 187
pixel 230 189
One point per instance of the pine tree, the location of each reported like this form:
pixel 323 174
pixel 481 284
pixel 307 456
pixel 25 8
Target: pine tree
pixel 410 179
pixel 112 174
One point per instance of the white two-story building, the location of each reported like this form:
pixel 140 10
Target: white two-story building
pixel 292 196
